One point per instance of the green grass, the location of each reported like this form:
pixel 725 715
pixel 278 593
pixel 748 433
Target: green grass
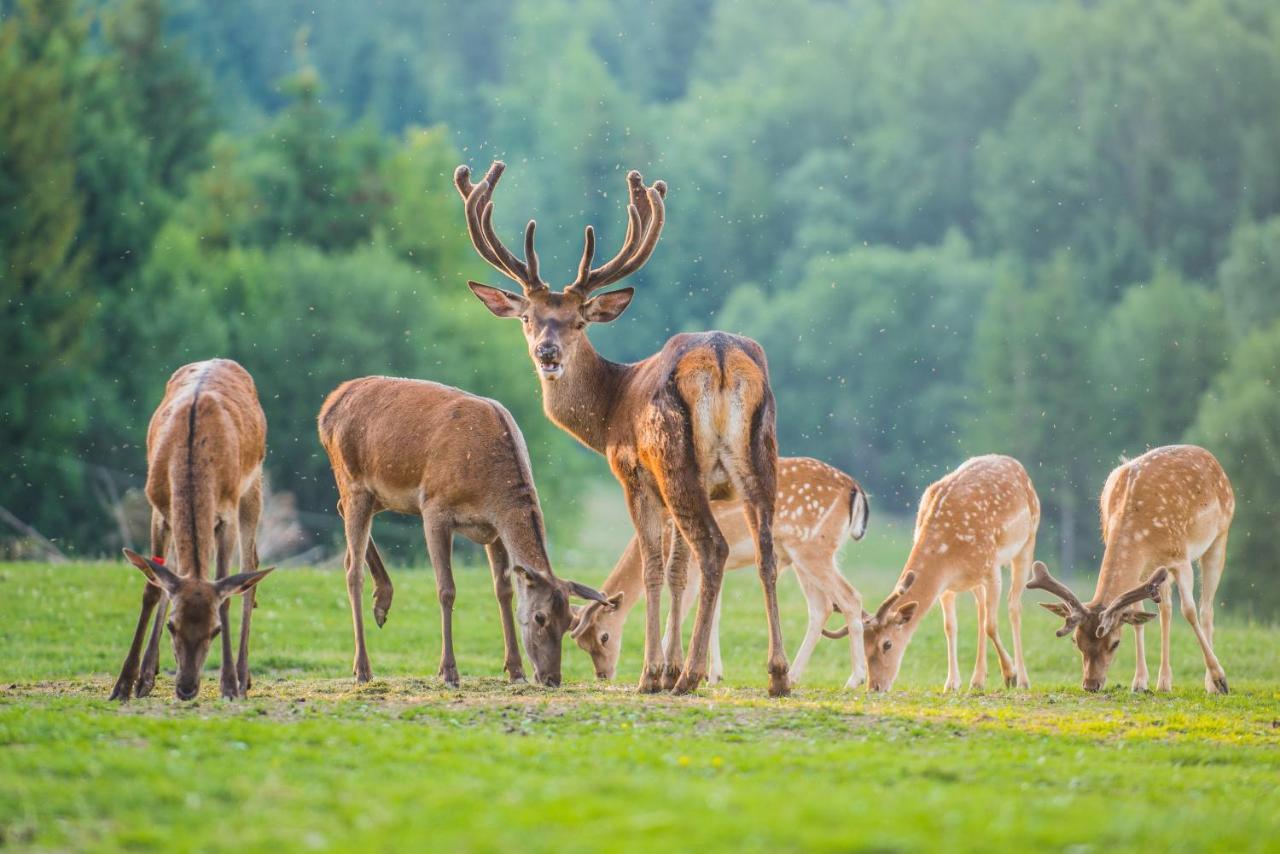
pixel 310 761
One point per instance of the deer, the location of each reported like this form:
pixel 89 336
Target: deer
pixel 459 462
pixel 981 516
pixel 1159 512
pixel 694 422
pixel 205 447
pixel 820 508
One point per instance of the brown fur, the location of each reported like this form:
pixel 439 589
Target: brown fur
pixel 694 421
pixel 205 447
pixel 460 463
pixel 1161 511
pixel 820 508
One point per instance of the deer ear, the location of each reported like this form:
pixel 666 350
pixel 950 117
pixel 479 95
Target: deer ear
pixel 156 574
pixel 528 575
pixel 501 303
pixel 906 612
pixel 1137 618
pixel 608 306
pixel 234 585
pixel 582 591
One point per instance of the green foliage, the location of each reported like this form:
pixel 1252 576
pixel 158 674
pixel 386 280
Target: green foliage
pixel 1239 420
pixel 1250 276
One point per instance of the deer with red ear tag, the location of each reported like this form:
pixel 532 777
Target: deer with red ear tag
pixel 1160 511
pixel 205 447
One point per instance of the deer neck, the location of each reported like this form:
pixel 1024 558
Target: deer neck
pixel 525 536
pixel 581 401
pixel 1123 565
pixel 932 580
pixel 626 578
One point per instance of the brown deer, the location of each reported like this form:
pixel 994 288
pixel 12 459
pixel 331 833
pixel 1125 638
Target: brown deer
pixel 693 422
pixel 971 522
pixel 205 447
pixel 458 462
pixel 820 508
pixel 1160 512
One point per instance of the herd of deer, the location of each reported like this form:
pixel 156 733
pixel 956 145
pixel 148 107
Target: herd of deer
pixel 690 435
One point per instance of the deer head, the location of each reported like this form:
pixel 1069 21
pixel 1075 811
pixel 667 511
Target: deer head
pixel 554 321
pixel 1096 627
pixel 544 615
pixel 885 636
pixel 597 629
pixel 194 621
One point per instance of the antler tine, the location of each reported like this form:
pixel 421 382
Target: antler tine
pixel 1042 580
pixel 645 217
pixel 904 584
pixel 1149 589
pixel 478 204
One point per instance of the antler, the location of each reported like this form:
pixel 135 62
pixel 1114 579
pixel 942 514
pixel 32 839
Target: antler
pixel 645 217
pixel 1149 589
pixel 1042 580
pixel 478 199
pixel 903 586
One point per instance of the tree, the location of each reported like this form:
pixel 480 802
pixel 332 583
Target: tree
pixel 1239 420
pixel 1250 276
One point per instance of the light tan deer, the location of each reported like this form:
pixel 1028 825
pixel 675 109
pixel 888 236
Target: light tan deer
pixel 1160 512
pixel 979 517
pixel 819 509
pixel 205 446
pixel 693 422
pixel 458 462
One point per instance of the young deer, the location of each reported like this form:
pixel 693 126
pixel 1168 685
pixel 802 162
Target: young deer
pixel 205 447
pixel 1160 512
pixel 693 422
pixel 819 509
pixel 977 518
pixel 459 462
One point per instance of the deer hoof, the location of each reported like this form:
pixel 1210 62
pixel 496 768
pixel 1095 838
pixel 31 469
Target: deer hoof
pixel 779 684
pixel 450 675
pixel 230 689
pixel 670 674
pixel 122 689
pixel 1011 681
pixel 144 686
pixel 362 671
pixel 1219 685
pixel 687 683
pixel 651 681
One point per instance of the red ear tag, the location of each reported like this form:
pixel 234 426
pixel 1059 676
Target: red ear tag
pixel 158 559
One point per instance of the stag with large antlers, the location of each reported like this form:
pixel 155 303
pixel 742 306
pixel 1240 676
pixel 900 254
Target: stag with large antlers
pixel 971 522
pixel 693 422
pixel 205 447
pixel 1161 511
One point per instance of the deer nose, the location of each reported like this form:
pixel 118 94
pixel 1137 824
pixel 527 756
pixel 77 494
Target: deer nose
pixel 186 692
pixel 1093 684
pixel 547 352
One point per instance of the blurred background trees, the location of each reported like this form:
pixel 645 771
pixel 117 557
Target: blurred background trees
pixel 1047 229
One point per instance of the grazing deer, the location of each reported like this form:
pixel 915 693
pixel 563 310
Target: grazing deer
pixel 1160 512
pixel 693 422
pixel 205 447
pixel 819 509
pixel 971 522
pixel 458 462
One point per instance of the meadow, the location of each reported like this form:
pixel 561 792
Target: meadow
pixel 313 761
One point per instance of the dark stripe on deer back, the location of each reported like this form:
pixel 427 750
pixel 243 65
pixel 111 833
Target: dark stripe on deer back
pixel 525 486
pixel 191 473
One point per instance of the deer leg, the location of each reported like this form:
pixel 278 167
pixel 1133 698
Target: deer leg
pixel 439 535
pixel 715 669
pixel 696 523
pixel 357 520
pixel 151 658
pixel 250 512
pixel 1019 571
pixel 850 602
pixel 1164 682
pixel 979 679
pixel 949 628
pixel 226 534
pixel 677 566
pixel 819 608
pixel 151 595
pixel 1140 675
pixel 1215 677
pixel 499 565
pixel 647 517
pixel 991 615
pixel 1212 563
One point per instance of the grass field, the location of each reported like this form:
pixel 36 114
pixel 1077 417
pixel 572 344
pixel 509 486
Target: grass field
pixel 311 761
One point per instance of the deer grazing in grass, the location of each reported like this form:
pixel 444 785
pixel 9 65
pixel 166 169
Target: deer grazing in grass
pixel 1160 512
pixel 205 447
pixel 971 522
pixel 820 508
pixel 691 423
pixel 458 462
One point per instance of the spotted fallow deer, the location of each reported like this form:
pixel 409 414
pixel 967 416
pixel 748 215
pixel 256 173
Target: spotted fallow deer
pixel 205 447
pixel 458 462
pixel 820 508
pixel 1160 512
pixel 979 517
pixel 691 423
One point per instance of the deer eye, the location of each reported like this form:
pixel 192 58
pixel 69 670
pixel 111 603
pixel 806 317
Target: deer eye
pixel 581 324
pixel 604 638
pixel 540 618
pixel 524 318
pixel 888 645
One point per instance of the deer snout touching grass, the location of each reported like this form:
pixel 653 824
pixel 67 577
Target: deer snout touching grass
pixel 971 522
pixel 458 462
pixel 205 447
pixel 1161 511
